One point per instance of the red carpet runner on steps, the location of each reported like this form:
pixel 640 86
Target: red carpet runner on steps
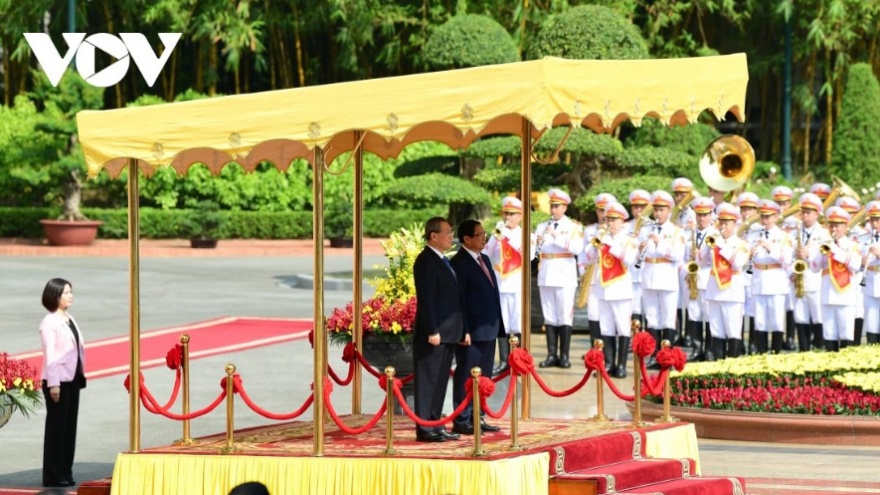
pixel 617 463
pixel 106 357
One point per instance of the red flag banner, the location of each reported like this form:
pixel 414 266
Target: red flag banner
pixel 610 268
pixel 511 259
pixel 721 269
pixel 839 274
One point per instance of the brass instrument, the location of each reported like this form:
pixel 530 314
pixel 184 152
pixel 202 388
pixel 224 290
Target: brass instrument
pixel 839 188
pixel 645 216
pixel 727 163
pixel 710 241
pixel 683 204
pixel 799 266
pixel 793 210
pixel 825 249
pixel 744 227
pixel 498 235
pixel 857 220
pixel 692 268
pixel 583 292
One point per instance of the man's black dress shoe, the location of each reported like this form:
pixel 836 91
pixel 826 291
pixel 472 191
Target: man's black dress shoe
pixel 501 368
pixel 448 436
pixel 431 436
pixel 463 429
pixel 489 428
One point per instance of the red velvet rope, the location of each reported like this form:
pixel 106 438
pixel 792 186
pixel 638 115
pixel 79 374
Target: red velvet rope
pixel 501 376
pixel 507 399
pixel 616 391
pixel 554 393
pixel 174 357
pixel 424 422
pixel 174 391
pixel 653 387
pixel 353 431
pixel 146 397
pixel 367 366
pixel 239 389
pixel 336 378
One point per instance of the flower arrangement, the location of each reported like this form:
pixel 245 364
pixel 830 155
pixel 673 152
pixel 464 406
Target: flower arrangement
pixel 391 313
pixel 845 382
pixel 17 387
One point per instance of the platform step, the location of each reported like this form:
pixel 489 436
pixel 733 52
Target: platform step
pixel 692 486
pixel 633 474
pixel 612 449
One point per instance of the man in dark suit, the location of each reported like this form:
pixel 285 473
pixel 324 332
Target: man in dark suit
pixel 482 318
pixel 439 327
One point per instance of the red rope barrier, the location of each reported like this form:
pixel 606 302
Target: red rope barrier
pixel 620 395
pixel 156 409
pixel 654 387
pixel 367 366
pixel 501 376
pixel 239 389
pixel 424 422
pixel 507 399
pixel 353 431
pixel 553 393
pixel 336 378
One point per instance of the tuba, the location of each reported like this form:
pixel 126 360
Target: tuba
pixel 727 163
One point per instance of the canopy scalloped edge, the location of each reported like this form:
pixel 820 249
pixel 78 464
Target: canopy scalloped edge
pixel 453 107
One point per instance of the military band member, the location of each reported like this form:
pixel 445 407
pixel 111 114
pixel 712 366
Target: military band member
pixel 856 232
pixel 871 262
pixel 748 207
pixel 680 189
pixel 808 309
pixel 771 253
pixel 590 231
pixel 782 195
pixel 638 201
pixel 838 261
pixel 615 253
pixel 821 189
pixel 662 249
pixel 725 290
pixel 504 248
pixel 717 196
pixel 696 308
pixel 558 241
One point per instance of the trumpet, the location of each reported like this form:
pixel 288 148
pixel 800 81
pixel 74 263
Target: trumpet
pixel 825 249
pixel 498 235
pixel 710 241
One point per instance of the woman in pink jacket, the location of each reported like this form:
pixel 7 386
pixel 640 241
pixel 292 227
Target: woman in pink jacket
pixel 63 377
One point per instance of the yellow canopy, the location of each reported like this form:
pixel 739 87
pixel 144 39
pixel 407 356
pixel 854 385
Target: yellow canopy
pixel 455 107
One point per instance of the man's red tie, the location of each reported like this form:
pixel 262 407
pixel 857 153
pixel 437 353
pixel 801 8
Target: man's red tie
pixel 485 270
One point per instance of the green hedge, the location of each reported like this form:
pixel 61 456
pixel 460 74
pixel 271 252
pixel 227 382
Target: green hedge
pixel 171 224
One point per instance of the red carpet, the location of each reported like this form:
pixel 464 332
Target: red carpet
pixel 106 357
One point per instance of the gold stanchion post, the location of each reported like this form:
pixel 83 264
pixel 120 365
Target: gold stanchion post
pixel 358 271
pixel 319 370
pixel 476 372
pixel 600 389
pixel 514 423
pixel 525 188
pixel 389 411
pixel 184 363
pixel 230 410
pixel 134 306
pixel 637 390
pixel 667 395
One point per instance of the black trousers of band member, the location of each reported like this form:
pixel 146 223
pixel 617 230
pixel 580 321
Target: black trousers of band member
pixel 59 443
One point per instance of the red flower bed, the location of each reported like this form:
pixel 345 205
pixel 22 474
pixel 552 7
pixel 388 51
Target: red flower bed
pixel 831 399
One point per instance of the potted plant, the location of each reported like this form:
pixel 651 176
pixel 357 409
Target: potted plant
pixel 17 388
pixel 49 157
pixel 338 221
pixel 202 225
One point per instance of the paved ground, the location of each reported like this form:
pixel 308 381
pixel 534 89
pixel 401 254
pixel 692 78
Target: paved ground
pixel 244 282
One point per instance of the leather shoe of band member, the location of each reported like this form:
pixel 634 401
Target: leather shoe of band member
pixel 463 429
pixel 484 426
pixel 431 436
pixel 448 436
pixel 501 368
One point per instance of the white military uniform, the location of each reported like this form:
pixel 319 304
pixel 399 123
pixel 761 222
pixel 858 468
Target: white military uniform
pixel 660 274
pixel 726 305
pixel 857 233
pixel 871 290
pixel 590 231
pixel 634 272
pixel 557 272
pixel 770 282
pixel 808 309
pixel 615 297
pixel 510 284
pixel 751 236
pixel 838 311
pixel 696 308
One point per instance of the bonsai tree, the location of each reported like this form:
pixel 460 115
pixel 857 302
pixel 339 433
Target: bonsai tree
pixel 465 199
pixel 589 32
pixel 53 160
pixel 339 217
pixel 469 40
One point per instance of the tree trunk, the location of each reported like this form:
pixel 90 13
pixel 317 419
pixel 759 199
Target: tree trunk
pixel 829 107
pixel 808 115
pixel 212 63
pixel 300 69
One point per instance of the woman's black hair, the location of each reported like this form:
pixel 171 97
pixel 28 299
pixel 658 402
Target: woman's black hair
pixel 52 293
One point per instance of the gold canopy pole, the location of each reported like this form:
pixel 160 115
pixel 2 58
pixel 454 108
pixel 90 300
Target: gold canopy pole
pixel 134 310
pixel 526 313
pixel 318 292
pixel 358 273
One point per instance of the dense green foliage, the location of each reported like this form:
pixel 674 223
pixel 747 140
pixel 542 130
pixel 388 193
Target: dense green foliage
pixel 857 136
pixel 590 32
pixel 469 40
pixel 174 224
pixel 432 189
pixel 690 139
pixel 621 188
